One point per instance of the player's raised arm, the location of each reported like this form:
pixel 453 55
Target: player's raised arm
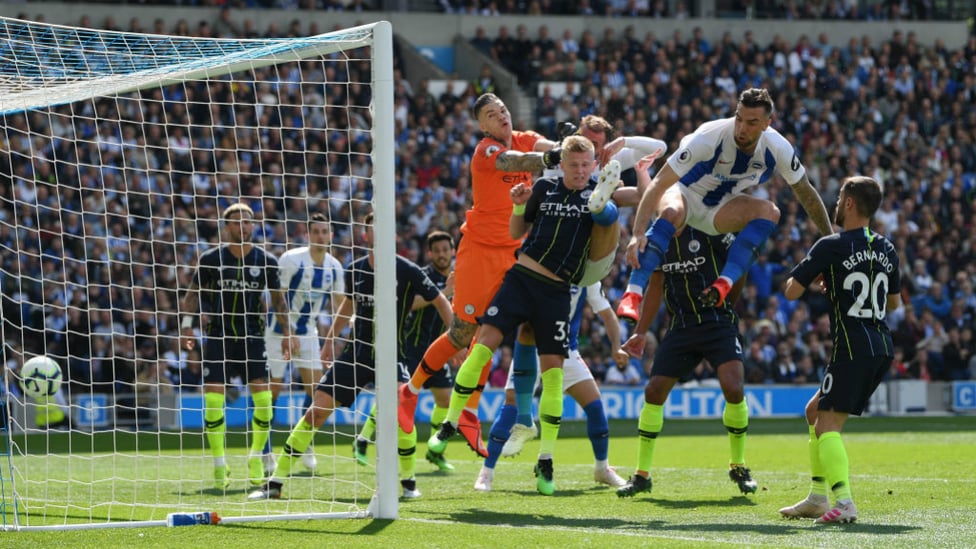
pixel 543 156
pixel 517 226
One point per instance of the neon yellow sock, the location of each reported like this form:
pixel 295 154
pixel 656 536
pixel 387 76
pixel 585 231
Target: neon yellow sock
pixel 298 441
pixel 818 482
pixel 214 424
pixel 648 428
pixel 407 448
pixel 467 380
pixel 261 422
pixel 736 421
pixel 550 409
pixel 369 427
pixel 833 457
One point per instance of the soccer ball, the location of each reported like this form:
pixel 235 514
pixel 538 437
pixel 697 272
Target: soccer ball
pixel 40 377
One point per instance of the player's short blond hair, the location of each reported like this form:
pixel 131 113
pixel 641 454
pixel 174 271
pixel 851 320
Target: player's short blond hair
pixel 240 208
pixel 577 143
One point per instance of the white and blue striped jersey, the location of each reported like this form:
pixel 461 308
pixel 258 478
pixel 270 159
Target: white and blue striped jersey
pixel 708 163
pixel 307 286
pixel 598 302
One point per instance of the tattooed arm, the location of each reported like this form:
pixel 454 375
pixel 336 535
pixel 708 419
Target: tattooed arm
pixel 812 203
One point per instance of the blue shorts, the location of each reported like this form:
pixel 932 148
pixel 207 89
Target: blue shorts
pixel 683 348
pixel 847 384
pixel 225 357
pixel 526 296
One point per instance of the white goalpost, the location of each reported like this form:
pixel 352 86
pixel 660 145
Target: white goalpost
pixel 118 151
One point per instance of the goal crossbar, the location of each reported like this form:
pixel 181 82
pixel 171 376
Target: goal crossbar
pixel 64 60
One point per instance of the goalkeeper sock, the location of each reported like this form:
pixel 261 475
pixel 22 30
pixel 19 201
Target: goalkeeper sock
pixel 369 426
pixel 818 480
pixel 499 433
pixel 833 457
pixel 550 409
pixel 467 380
pixel 736 421
pixel 261 421
pixel 214 424
pixel 439 352
pixel 648 428
pixel 524 368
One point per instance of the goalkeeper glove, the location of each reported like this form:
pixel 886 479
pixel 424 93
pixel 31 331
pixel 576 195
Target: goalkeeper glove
pixel 566 129
pixel 552 157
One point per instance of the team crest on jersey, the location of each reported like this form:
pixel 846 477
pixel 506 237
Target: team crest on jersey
pixel 469 309
pixel 685 156
pixel 586 194
pixel 255 271
pixel 491 149
pixel 694 246
pixel 492 311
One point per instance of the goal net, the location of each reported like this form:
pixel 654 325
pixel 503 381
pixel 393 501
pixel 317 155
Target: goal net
pixel 119 152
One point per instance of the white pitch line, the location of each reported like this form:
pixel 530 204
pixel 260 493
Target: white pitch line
pixel 601 531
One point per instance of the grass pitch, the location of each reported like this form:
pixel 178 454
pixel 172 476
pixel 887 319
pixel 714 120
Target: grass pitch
pixel 913 481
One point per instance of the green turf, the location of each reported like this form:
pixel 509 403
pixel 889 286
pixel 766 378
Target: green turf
pixel 913 481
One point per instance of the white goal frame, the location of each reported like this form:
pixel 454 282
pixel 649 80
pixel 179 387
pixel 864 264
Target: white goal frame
pixel 49 86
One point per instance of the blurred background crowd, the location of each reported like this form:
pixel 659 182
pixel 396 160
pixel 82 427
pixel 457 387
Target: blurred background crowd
pixel 101 223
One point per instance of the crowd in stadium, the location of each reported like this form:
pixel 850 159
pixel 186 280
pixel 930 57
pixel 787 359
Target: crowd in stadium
pixel 900 111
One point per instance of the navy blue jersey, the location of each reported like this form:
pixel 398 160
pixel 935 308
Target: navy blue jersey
pixel 411 282
pixel 561 225
pixel 424 325
pixel 860 270
pixel 693 261
pixel 232 290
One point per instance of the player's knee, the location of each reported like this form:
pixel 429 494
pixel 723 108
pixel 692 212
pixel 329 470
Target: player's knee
pixel 672 213
pixel 526 335
pixel 461 333
pixel 656 391
pixel 769 211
